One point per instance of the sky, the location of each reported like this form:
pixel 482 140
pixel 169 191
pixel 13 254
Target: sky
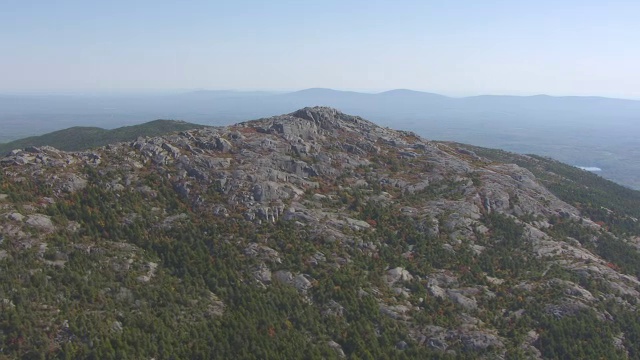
pixel 453 47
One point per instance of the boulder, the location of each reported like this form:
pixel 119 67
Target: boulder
pixel 223 145
pixel 337 348
pixel 283 276
pixel 302 282
pixel 15 216
pixel 464 301
pixel 480 340
pixel 41 222
pixel 262 274
pixel 398 274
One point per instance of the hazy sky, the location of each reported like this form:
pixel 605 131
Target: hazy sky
pixel 453 47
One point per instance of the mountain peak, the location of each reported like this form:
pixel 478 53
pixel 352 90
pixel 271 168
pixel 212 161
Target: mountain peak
pixel 311 121
pixel 299 219
pixel 317 113
pixel 326 117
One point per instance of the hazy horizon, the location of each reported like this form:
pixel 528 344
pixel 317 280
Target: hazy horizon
pixel 155 92
pixel 116 63
pixel 584 131
pixel 577 48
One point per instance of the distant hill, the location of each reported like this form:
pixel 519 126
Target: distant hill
pixel 82 138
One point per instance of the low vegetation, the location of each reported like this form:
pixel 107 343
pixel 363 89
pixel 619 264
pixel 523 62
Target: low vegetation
pixel 83 138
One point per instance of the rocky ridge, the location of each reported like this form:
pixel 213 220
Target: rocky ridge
pixel 320 170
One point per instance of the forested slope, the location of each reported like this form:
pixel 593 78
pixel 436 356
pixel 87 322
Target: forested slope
pixel 309 235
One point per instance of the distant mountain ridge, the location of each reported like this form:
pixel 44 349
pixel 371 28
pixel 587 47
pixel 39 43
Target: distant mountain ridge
pixel 82 138
pixel 579 130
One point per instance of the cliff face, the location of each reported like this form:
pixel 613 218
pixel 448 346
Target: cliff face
pixel 372 242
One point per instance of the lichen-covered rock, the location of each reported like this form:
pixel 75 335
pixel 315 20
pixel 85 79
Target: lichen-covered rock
pixel 72 183
pixel 480 340
pixel 15 216
pixel 462 300
pixel 41 222
pixel 398 274
pixel 263 274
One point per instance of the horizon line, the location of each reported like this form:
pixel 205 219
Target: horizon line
pixel 275 91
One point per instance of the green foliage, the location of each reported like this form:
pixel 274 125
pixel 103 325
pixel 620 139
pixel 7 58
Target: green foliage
pixel 73 310
pixel 624 256
pixel 508 255
pixel 83 138
pixel 582 336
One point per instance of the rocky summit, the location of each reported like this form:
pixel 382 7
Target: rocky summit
pixel 314 234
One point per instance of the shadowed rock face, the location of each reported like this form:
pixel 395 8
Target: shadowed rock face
pixel 317 168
